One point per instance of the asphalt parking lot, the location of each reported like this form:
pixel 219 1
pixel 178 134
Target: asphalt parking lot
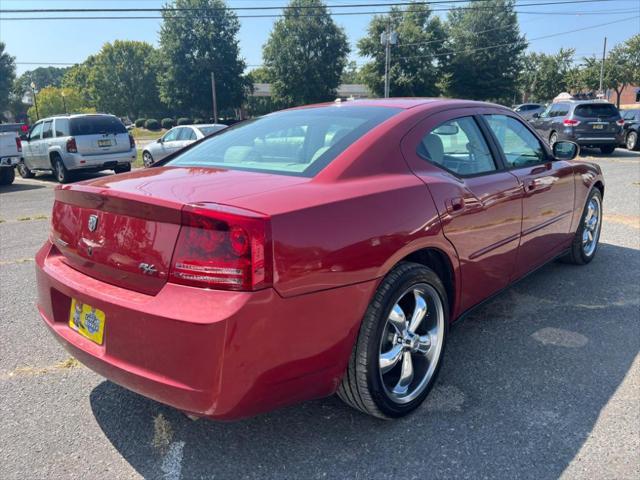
pixel 541 382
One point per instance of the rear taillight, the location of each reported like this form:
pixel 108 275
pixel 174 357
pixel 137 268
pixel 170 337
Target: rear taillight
pixel 18 144
pixel 568 122
pixel 132 142
pixel 223 247
pixel 620 122
pixel 72 147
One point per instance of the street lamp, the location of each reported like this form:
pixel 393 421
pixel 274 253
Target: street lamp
pixel 35 100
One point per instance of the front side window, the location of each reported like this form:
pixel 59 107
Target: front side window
pixel 36 132
pixel 458 146
pixel 521 148
pixel 294 142
pixel 47 131
pixel 172 135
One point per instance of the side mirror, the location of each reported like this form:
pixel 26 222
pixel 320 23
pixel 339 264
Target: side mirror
pixel 564 150
pixel 24 137
pixel 536 115
pixel 160 140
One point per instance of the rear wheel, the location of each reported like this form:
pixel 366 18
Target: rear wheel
pixel 60 171
pixel 585 242
pixel 399 349
pixel 123 168
pixel 7 176
pixel 632 141
pixel 23 170
pixel 147 159
pixel 607 149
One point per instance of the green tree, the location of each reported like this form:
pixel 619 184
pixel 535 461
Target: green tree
pixel 305 55
pixel 545 76
pixel 485 47
pixel 42 77
pixel 80 78
pixel 415 69
pixel 52 101
pixel 351 74
pixel 123 79
pixel 7 76
pixel 195 44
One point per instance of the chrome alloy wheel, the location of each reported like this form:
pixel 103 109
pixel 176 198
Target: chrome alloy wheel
pixel 591 230
pixel 411 345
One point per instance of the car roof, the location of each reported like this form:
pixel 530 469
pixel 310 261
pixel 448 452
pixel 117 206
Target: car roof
pixel 403 103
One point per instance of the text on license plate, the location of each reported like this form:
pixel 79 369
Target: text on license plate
pixel 598 126
pixel 104 143
pixel 87 321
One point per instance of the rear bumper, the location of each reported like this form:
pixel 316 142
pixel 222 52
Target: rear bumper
pixel 223 355
pixel 591 139
pixel 9 161
pixel 77 161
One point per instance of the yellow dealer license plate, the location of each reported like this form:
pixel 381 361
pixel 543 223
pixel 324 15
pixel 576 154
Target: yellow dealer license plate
pixel 87 321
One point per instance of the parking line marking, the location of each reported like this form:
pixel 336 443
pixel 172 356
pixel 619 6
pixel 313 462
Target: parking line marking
pixel 17 261
pixel 29 371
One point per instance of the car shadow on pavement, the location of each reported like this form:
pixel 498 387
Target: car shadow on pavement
pixel 620 153
pixel 19 187
pixel 524 381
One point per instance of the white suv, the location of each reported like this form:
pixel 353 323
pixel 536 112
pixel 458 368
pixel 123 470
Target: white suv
pixel 70 143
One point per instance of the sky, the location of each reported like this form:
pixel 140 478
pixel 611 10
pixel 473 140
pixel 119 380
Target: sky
pixel 41 43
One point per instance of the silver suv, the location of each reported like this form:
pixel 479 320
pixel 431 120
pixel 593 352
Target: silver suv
pixel 70 143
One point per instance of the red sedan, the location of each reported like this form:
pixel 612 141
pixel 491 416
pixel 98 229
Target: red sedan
pixel 312 251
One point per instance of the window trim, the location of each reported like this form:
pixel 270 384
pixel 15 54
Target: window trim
pixel 497 161
pixel 503 158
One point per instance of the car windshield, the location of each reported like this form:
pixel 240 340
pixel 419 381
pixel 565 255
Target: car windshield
pixel 596 110
pixel 295 142
pixel 212 129
pixel 96 124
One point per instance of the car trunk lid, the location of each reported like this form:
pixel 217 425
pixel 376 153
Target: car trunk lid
pixel 123 230
pixel 596 119
pixel 99 134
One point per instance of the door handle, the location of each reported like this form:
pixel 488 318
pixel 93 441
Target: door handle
pixel 455 205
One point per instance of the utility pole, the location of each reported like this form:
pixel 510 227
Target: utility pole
pixel 215 98
pixel 35 101
pixel 604 52
pixel 388 38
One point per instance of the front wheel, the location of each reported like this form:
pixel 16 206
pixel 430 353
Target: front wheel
pixel 632 141
pixel 400 345
pixel 23 170
pixel 607 149
pixel 585 242
pixel 147 159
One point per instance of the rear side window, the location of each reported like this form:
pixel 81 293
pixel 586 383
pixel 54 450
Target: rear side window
pixel 96 124
pixel 47 130
pixel 521 148
pixel 596 110
pixel 62 127
pixel 294 142
pixel 206 131
pixel 458 146
pixel 187 134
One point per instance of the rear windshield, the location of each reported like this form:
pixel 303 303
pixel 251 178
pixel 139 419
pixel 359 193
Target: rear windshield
pixel 596 110
pixel 96 124
pixel 13 127
pixel 209 130
pixel 295 142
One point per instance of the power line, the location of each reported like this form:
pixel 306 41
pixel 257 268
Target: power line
pixel 271 7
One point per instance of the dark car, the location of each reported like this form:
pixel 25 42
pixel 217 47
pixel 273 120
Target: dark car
pixel 528 110
pixel 631 129
pixel 589 123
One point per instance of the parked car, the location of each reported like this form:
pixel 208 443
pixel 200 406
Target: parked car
pixel 631 129
pixel 528 110
pixel 589 123
pixel 311 251
pixel 10 151
pixel 67 144
pixel 176 139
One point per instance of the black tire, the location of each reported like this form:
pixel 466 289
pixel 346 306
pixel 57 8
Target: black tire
pixel 631 141
pixel 60 171
pixel 7 176
pixel 147 159
pixel 553 138
pixel 577 255
pixel 123 168
pixel 607 149
pixel 23 170
pixel 361 386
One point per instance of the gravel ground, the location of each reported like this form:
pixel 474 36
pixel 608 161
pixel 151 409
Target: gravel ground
pixel 542 382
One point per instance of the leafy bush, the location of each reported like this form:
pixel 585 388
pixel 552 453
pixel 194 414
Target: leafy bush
pixel 199 121
pixel 139 123
pixel 184 121
pixel 167 123
pixel 152 124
